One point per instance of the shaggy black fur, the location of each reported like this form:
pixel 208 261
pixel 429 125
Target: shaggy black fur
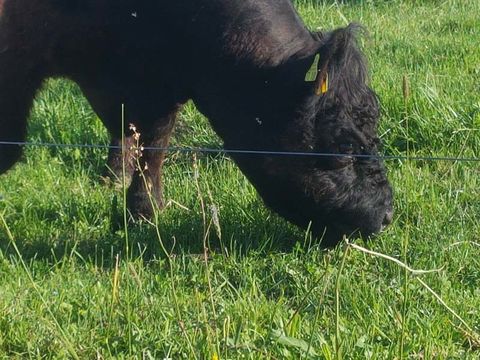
pixel 243 62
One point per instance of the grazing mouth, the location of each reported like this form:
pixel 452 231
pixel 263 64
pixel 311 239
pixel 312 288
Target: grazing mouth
pixel 366 231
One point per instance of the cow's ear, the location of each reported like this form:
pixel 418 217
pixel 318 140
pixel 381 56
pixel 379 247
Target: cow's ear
pixel 340 57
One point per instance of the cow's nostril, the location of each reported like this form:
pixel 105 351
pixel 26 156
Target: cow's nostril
pixel 387 220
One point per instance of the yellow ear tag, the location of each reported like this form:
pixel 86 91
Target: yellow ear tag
pixel 324 87
pixel 311 75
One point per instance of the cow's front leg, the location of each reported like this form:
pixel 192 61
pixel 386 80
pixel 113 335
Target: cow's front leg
pixel 153 119
pixel 144 195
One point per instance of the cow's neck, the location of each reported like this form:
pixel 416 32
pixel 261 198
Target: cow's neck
pixel 249 108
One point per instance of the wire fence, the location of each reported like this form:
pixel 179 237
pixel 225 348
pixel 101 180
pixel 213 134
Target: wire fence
pixel 206 150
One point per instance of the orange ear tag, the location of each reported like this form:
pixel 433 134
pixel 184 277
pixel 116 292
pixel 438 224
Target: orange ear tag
pixel 324 87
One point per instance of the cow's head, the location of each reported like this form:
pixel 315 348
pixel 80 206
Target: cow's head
pixel 342 194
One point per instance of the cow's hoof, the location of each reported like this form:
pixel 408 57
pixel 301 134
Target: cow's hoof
pixel 143 206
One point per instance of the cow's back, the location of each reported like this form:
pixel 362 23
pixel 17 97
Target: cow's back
pixel 68 35
pixel 263 32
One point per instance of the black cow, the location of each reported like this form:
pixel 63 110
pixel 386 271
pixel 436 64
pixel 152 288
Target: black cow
pixel 243 63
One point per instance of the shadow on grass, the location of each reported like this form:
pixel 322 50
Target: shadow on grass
pixel 182 234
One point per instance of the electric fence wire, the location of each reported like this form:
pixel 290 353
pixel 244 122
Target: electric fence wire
pixel 206 150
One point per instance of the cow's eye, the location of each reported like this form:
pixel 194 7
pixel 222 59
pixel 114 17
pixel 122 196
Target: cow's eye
pixel 346 148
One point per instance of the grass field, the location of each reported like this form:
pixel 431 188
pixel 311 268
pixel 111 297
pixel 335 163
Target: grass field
pixel 69 289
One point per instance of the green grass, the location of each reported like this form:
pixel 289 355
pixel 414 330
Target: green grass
pixel 266 291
